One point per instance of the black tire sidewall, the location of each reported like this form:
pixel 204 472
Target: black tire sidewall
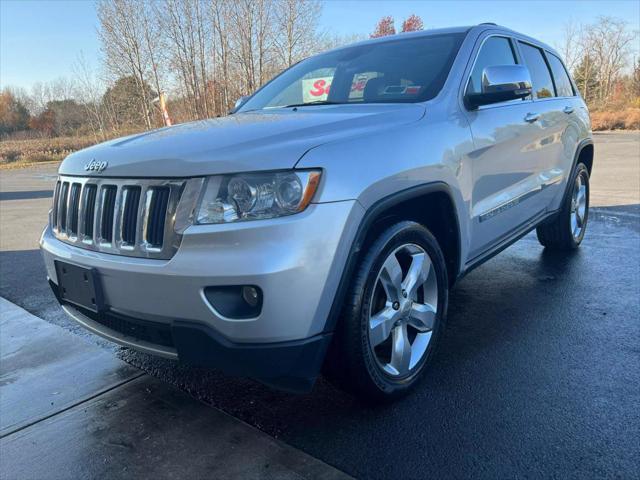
pixel 581 169
pixel 400 234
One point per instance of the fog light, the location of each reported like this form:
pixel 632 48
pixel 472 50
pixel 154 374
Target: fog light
pixel 251 296
pixel 235 302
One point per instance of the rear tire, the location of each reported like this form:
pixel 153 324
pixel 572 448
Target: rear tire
pixel 566 230
pixel 393 315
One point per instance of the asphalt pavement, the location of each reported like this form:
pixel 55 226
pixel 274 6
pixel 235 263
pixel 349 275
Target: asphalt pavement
pixel 538 374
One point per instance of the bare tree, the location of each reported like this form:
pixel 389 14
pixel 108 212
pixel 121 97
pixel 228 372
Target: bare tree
pixel 123 43
pixel 189 40
pixel 597 54
pixel 570 46
pixel 608 43
pixel 203 53
pixel 220 18
pixel 89 93
pixel 296 24
pixel 253 40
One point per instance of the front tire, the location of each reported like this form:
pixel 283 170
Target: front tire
pixel 393 316
pixel 566 230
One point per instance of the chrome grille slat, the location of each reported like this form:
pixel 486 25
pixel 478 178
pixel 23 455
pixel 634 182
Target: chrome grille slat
pixel 112 215
pixel 81 207
pixel 54 210
pixel 62 209
pixel 157 216
pixel 73 211
pixel 109 195
pixel 129 221
pixel 89 212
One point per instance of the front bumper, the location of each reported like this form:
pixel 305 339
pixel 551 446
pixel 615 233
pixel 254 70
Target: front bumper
pixel 296 261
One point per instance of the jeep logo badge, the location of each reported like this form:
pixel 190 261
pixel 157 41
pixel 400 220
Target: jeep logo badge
pixel 95 166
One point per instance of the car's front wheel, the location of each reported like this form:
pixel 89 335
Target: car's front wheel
pixel 394 314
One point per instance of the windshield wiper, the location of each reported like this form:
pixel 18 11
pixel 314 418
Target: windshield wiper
pixel 318 102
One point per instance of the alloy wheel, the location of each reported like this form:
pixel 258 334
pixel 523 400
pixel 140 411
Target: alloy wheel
pixel 578 214
pixel 403 309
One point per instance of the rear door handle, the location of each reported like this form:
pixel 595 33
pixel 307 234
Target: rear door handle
pixel 568 110
pixel 532 117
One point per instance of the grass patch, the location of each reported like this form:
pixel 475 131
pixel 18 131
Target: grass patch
pixel 623 119
pixel 37 150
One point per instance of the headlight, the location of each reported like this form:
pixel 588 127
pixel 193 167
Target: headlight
pixel 254 196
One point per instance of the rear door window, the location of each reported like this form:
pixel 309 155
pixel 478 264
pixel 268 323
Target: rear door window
pixel 561 77
pixel 540 75
pixel 494 51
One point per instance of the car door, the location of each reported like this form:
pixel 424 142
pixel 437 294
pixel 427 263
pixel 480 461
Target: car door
pixel 568 112
pixel 553 120
pixel 509 139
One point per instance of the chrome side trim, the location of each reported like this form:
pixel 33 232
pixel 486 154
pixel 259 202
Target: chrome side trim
pixel 517 200
pixel 507 205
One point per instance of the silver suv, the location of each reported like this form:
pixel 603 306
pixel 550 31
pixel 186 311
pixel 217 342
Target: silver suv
pixel 322 224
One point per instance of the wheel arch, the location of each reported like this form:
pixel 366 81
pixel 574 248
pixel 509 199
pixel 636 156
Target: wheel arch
pixel 441 219
pixel 585 154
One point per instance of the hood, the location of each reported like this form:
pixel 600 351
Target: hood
pixel 264 140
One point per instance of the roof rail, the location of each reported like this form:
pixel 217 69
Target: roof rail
pixel 488 23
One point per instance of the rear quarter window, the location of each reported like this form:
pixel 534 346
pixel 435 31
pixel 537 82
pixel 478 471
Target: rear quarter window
pixel 561 77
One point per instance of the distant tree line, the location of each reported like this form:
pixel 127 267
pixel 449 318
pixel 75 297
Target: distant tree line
pixel 599 57
pixel 204 54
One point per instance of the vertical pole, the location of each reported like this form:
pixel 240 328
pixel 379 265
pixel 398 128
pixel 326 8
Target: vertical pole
pixel 165 113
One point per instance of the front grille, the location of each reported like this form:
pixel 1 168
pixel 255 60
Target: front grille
pixel 135 217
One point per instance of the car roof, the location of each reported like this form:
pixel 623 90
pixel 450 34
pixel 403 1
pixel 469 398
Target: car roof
pixel 475 29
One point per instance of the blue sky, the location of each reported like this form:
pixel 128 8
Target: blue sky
pixel 40 40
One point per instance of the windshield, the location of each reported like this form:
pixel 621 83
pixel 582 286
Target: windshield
pixel 400 70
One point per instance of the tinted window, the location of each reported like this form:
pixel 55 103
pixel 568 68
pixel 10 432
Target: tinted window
pixel 407 70
pixel 563 84
pixel 540 76
pixel 495 51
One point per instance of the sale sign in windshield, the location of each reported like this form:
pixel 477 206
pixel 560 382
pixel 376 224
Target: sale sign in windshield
pixel 317 89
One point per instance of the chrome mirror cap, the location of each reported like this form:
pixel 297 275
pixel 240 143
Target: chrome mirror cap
pixel 501 83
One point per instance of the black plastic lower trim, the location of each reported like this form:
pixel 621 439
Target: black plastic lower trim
pixel 292 366
pixel 506 243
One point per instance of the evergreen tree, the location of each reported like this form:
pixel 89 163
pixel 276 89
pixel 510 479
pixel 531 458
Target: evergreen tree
pixel 586 79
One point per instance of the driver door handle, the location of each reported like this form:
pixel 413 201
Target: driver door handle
pixel 532 117
pixel 568 110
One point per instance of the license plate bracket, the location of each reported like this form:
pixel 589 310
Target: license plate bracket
pixel 80 286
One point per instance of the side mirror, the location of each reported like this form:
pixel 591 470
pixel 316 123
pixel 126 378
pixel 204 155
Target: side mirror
pixel 239 103
pixel 501 83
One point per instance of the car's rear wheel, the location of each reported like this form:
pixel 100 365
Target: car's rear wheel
pixel 393 316
pixel 566 230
